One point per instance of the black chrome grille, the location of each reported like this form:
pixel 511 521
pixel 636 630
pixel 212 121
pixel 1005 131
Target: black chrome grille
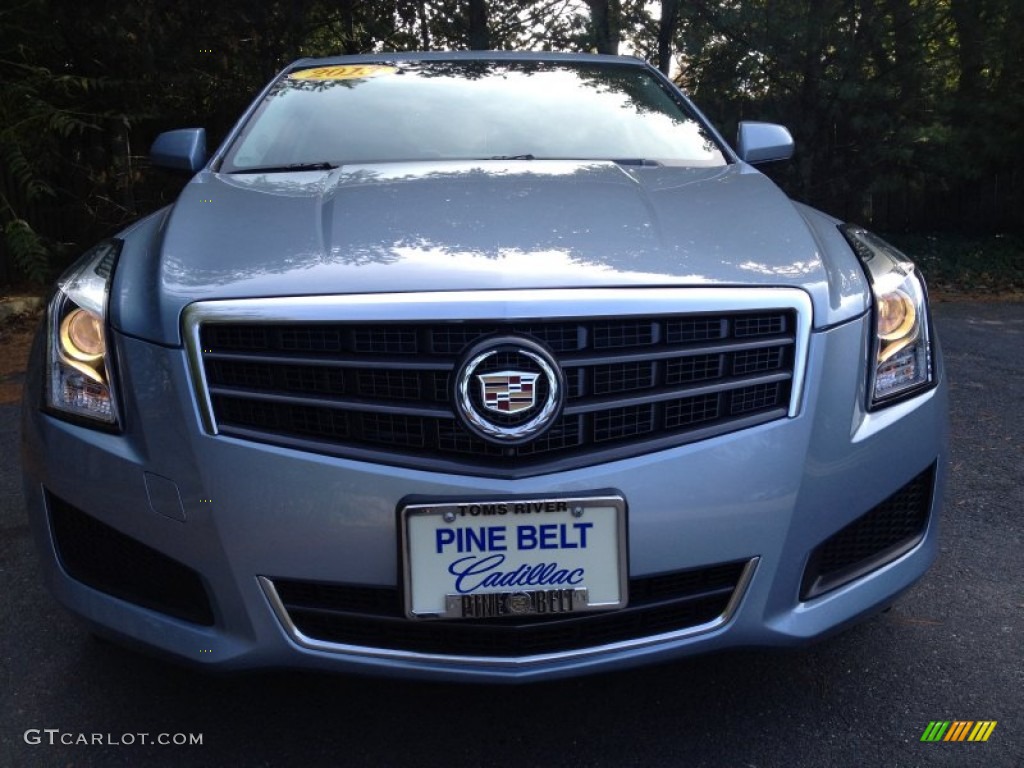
pixel 372 617
pixel 881 535
pixel 382 391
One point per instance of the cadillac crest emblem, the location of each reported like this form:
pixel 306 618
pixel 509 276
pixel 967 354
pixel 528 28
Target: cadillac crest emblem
pixel 507 391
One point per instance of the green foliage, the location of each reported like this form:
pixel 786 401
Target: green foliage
pixel 20 171
pixel 953 263
pixel 27 249
pixel 41 113
pixel 888 129
pixel 906 112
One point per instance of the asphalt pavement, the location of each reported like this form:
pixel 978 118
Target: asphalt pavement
pixel 951 649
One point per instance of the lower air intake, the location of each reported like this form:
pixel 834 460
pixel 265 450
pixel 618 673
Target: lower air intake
pixel 109 561
pixel 888 531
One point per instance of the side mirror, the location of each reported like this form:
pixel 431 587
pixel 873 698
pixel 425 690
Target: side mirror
pixel 181 150
pixel 763 142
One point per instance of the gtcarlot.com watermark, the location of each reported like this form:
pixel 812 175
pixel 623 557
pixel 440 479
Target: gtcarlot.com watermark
pixel 55 737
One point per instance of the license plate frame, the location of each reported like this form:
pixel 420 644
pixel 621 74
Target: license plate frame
pixel 545 555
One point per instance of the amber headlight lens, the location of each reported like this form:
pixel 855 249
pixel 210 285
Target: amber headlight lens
pixel 81 336
pixel 79 370
pixel 901 352
pixel 896 315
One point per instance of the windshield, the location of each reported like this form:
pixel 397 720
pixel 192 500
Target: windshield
pixel 470 110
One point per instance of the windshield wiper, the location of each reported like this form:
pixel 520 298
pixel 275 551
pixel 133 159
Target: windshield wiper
pixel 290 167
pixel 635 161
pixel 618 160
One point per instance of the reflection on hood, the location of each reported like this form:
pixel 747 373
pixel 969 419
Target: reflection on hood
pixel 476 225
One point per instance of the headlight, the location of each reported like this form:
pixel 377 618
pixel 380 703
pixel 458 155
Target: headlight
pixel 901 352
pixel 79 370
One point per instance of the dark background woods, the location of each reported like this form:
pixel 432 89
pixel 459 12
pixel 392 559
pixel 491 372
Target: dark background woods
pixel 908 114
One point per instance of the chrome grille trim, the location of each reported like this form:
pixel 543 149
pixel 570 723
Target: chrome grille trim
pixel 692 315
pixel 508 662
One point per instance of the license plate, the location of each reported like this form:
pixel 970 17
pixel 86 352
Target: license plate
pixel 490 559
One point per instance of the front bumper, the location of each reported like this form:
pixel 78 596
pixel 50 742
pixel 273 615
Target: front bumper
pixel 240 514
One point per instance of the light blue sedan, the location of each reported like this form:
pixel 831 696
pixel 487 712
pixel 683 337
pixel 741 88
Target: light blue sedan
pixel 484 367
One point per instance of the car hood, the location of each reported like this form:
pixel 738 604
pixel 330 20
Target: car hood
pixel 456 226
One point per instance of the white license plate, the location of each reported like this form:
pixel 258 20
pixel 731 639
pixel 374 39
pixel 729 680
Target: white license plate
pixel 490 559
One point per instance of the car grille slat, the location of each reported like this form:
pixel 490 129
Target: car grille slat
pixel 338 361
pixel 738 385
pixel 590 359
pixel 336 403
pixel 384 389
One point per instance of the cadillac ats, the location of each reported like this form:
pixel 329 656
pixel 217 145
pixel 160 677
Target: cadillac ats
pixel 482 367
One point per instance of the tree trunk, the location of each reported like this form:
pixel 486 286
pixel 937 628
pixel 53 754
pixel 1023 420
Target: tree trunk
pixel 969 30
pixel 605 19
pixel 479 34
pixel 424 26
pixel 667 31
pixel 350 44
pixel 812 123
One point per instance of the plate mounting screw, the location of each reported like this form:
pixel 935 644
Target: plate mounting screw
pixel 577 511
pixel 449 516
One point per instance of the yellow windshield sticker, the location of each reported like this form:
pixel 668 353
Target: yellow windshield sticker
pixel 343 72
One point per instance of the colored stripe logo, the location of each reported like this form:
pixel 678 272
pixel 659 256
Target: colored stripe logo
pixel 958 730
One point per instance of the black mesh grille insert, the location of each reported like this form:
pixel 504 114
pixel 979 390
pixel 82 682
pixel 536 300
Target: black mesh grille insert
pixel 753 398
pixel 872 540
pixel 756 361
pixel 616 423
pixel 391 340
pixel 109 561
pixel 623 377
pixel 383 391
pixel 623 333
pixel 690 329
pixel 389 385
pixel 391 428
pixel 373 617
pixel 758 325
pixel 685 370
pixel 310 339
pixel 691 410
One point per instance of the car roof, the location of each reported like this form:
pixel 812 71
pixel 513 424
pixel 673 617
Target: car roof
pixel 368 58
